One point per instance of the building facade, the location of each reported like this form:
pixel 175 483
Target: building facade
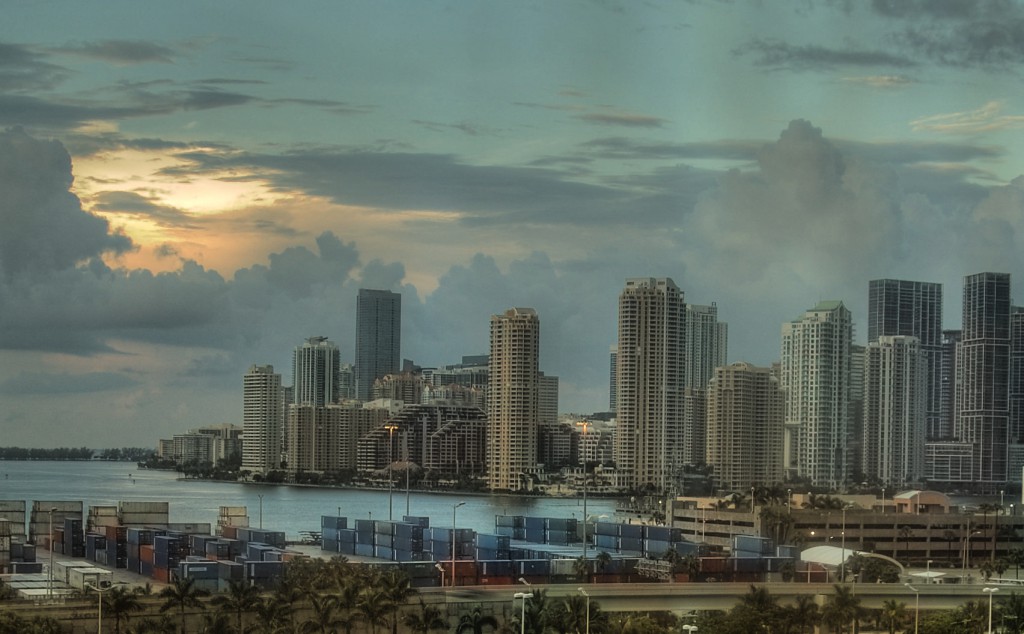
pixel 316 373
pixel 651 382
pixel 262 419
pixel 894 423
pixel 815 374
pixel 513 399
pixel 913 309
pixel 707 342
pixel 983 367
pixel 378 338
pixel 745 414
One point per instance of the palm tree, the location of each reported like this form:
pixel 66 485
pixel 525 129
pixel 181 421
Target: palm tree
pixel 803 613
pixel 182 594
pixel 373 605
pixel 324 620
pixel 428 619
pixel 240 598
pixel 893 614
pixel 572 614
pixel 581 568
pixel 217 623
pixel 841 608
pixel 1016 558
pixel 950 537
pixel 397 591
pixel 905 533
pixel 474 622
pixel 602 559
pixel 1012 609
pixel 119 603
pixel 985 509
pixel 274 614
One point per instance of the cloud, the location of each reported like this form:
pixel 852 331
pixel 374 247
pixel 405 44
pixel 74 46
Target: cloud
pixel 778 54
pixel 44 226
pixel 881 81
pixel 121 52
pixel 466 128
pixel 626 148
pixel 23 69
pixel 622 119
pixel 135 204
pixel 987 118
pixel 40 383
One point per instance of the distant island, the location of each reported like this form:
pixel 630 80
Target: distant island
pixel 127 454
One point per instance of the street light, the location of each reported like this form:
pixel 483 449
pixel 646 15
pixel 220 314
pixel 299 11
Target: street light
pixel 689 628
pixel 454 506
pixel 99 600
pixel 842 543
pixel 917 604
pixel 49 585
pixel 441 569
pixel 522 614
pixel 990 592
pixel 928 571
pixel 585 425
pixel 260 496
pixel 789 501
pixel 883 500
pixel 584 593
pixel 391 483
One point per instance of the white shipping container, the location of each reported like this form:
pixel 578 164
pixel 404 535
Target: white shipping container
pixel 96 577
pixel 144 507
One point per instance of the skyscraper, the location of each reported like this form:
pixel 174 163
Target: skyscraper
pixel 894 408
pixel 513 399
pixel 707 342
pixel 316 372
pixel 746 410
pixel 983 367
pixel 913 309
pixel 613 381
pixel 816 377
pixel 262 419
pixel 651 382
pixel 378 338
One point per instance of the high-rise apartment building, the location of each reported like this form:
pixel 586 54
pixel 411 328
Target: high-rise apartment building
pixel 651 382
pixel 707 342
pixel 746 410
pixel 983 368
pixel 894 410
pixel 378 338
pixel 513 399
pixel 913 309
pixel 947 376
pixel 613 357
pixel 316 373
pixel 815 374
pixel 262 419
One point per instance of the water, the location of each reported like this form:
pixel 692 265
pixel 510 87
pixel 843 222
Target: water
pixel 285 508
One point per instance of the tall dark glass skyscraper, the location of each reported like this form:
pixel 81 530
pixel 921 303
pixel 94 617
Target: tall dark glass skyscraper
pixel 983 368
pixel 901 308
pixel 378 338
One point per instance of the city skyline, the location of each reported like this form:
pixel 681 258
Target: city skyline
pixel 195 193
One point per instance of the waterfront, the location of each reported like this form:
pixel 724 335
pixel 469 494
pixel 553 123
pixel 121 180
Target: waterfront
pixel 285 508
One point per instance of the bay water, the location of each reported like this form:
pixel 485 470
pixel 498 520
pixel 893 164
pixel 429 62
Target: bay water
pixel 284 508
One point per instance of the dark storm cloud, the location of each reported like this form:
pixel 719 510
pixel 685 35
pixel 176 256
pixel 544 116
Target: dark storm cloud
pixel 31 111
pixel 23 69
pixel 483 194
pixel 779 54
pixel 135 204
pixel 44 226
pixel 207 99
pixel 626 148
pixel 65 383
pixel 986 34
pixel 622 119
pixel 120 51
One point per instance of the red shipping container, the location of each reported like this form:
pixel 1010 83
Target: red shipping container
pixel 496 580
pixel 161 574
pixel 146 553
pixel 231 532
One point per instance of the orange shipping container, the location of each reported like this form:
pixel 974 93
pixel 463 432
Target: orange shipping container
pixel 161 574
pixel 146 553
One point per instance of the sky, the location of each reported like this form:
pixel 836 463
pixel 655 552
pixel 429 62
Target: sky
pixel 191 188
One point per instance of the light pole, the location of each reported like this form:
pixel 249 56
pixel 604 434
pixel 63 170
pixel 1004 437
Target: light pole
pixel 522 614
pixel 842 544
pixel 990 592
pixel 454 507
pixel 49 583
pixel 689 628
pixel 584 424
pixel 440 569
pixel 928 571
pixel 99 601
pixel 883 500
pixel 260 496
pixel 789 501
pixel 391 483
pixel 917 604
pixel 584 593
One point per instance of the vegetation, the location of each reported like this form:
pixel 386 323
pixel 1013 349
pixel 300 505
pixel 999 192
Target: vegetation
pixel 62 453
